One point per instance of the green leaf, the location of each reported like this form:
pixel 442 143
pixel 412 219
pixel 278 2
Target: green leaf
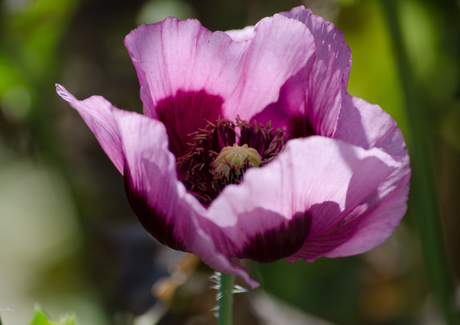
pixel 40 318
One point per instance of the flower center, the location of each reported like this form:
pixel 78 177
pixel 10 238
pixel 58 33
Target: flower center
pixel 236 157
pixel 217 158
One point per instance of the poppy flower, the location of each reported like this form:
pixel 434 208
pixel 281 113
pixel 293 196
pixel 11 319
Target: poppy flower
pixel 250 146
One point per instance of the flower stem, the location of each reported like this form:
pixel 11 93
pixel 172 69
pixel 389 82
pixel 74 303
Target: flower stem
pixel 423 191
pixel 226 299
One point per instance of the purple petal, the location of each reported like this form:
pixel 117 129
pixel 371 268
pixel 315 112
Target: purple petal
pixel 259 234
pixel 160 201
pixel 373 210
pixel 378 222
pixel 367 126
pixel 174 56
pixel 97 113
pixel 365 227
pixel 312 172
pixel 289 111
pixel 240 35
pixel 312 100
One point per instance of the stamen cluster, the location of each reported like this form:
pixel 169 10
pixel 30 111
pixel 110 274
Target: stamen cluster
pixel 201 177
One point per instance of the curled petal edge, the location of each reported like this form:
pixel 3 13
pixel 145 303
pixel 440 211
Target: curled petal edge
pixel 96 111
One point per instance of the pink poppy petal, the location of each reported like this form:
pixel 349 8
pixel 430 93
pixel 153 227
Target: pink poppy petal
pixel 362 225
pixel 367 226
pixel 328 79
pixel 368 126
pixel 240 35
pixel 262 235
pixel 289 111
pixel 309 102
pixel 97 113
pixel 182 56
pixel 160 201
pixel 381 218
pixel 315 178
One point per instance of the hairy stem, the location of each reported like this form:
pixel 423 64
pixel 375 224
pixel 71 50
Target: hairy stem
pixel 226 299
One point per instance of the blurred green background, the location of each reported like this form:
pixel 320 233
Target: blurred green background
pixel 68 238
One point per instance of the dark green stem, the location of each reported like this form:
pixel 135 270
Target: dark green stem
pixel 423 192
pixel 226 299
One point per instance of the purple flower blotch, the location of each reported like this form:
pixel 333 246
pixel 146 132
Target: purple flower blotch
pixel 338 188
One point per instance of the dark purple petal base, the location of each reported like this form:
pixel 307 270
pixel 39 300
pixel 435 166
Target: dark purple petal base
pixel 275 244
pixel 151 219
pixel 186 112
